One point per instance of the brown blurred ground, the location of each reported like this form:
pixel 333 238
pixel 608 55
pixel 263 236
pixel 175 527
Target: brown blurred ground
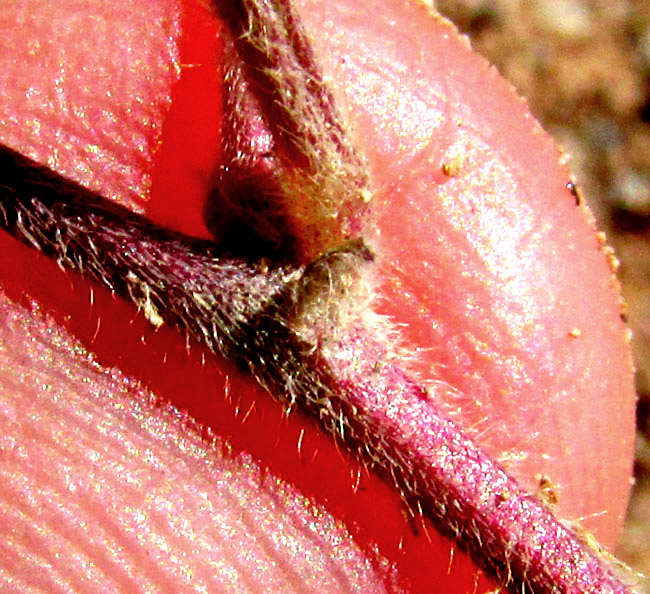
pixel 585 68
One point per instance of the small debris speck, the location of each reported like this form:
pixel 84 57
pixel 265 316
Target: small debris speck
pixel 547 490
pixel 452 167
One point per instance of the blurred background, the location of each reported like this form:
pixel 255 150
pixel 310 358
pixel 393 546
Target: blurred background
pixel 584 66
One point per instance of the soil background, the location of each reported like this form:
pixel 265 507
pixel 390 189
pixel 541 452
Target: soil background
pixel 584 67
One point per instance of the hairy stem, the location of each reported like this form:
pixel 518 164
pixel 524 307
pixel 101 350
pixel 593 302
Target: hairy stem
pixel 281 119
pixel 283 323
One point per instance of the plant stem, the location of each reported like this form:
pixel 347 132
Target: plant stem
pixel 285 325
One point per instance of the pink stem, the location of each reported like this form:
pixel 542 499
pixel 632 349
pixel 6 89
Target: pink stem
pixel 472 496
pixel 348 379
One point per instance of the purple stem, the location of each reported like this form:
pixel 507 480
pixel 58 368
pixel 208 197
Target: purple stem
pixel 286 129
pixel 471 495
pixel 344 375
